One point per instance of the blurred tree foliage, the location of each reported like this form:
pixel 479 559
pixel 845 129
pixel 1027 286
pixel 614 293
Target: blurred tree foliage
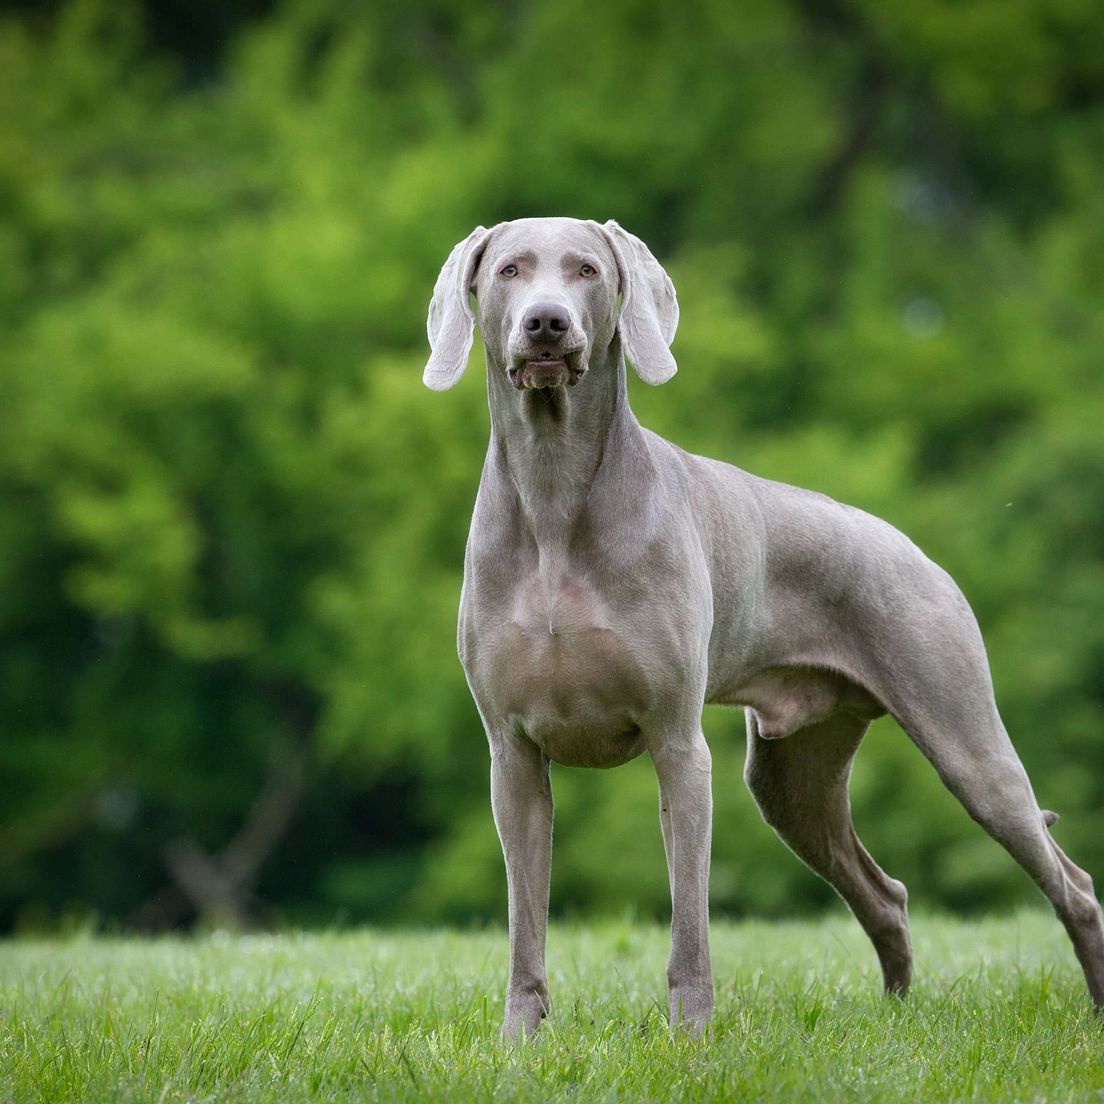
pixel 232 521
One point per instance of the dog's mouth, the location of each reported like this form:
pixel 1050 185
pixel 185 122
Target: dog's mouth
pixel 547 371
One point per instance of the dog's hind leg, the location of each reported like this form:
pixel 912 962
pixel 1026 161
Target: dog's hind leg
pixel 976 760
pixel 800 785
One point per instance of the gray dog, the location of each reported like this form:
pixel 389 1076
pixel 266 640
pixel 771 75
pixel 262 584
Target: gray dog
pixel 614 584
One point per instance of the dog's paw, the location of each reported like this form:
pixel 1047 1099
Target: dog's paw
pixel 524 1012
pixel 692 1008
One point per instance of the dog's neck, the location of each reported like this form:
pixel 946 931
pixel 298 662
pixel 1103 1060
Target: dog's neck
pixel 552 444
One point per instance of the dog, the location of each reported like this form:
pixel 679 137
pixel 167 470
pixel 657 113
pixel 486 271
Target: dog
pixel 614 584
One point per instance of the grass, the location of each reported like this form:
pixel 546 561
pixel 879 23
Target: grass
pixel 998 1012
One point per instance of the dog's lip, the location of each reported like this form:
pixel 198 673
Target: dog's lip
pixel 571 370
pixel 519 374
pixel 536 353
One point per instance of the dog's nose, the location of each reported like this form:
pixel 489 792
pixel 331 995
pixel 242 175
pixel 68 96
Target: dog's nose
pixel 546 322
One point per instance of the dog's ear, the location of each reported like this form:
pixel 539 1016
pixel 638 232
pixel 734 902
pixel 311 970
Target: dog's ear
pixel 649 308
pixel 451 323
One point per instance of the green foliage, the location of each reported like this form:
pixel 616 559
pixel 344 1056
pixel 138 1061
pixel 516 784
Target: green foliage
pixel 232 520
pixel 998 1013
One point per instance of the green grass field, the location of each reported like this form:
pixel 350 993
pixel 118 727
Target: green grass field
pixel 998 1012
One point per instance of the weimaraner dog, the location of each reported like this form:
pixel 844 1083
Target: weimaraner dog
pixel 614 584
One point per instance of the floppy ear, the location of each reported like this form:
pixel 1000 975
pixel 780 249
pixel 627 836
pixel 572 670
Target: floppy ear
pixel 451 324
pixel 649 309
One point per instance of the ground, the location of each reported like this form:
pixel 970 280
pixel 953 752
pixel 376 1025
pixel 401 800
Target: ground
pixel 998 1013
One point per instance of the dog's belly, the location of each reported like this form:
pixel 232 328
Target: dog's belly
pixel 569 682
pixel 786 699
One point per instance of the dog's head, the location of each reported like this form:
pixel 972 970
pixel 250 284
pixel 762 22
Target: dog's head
pixel 548 293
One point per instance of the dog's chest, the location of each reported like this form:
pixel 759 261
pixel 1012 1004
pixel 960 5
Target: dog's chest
pixel 555 663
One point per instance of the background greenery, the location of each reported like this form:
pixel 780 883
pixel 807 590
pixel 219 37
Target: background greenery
pixel 232 520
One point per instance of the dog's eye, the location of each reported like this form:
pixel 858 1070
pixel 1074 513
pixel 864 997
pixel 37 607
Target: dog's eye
pixel 588 270
pixel 509 270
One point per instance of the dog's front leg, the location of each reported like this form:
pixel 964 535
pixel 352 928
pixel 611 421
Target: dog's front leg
pixel 521 797
pixel 684 770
